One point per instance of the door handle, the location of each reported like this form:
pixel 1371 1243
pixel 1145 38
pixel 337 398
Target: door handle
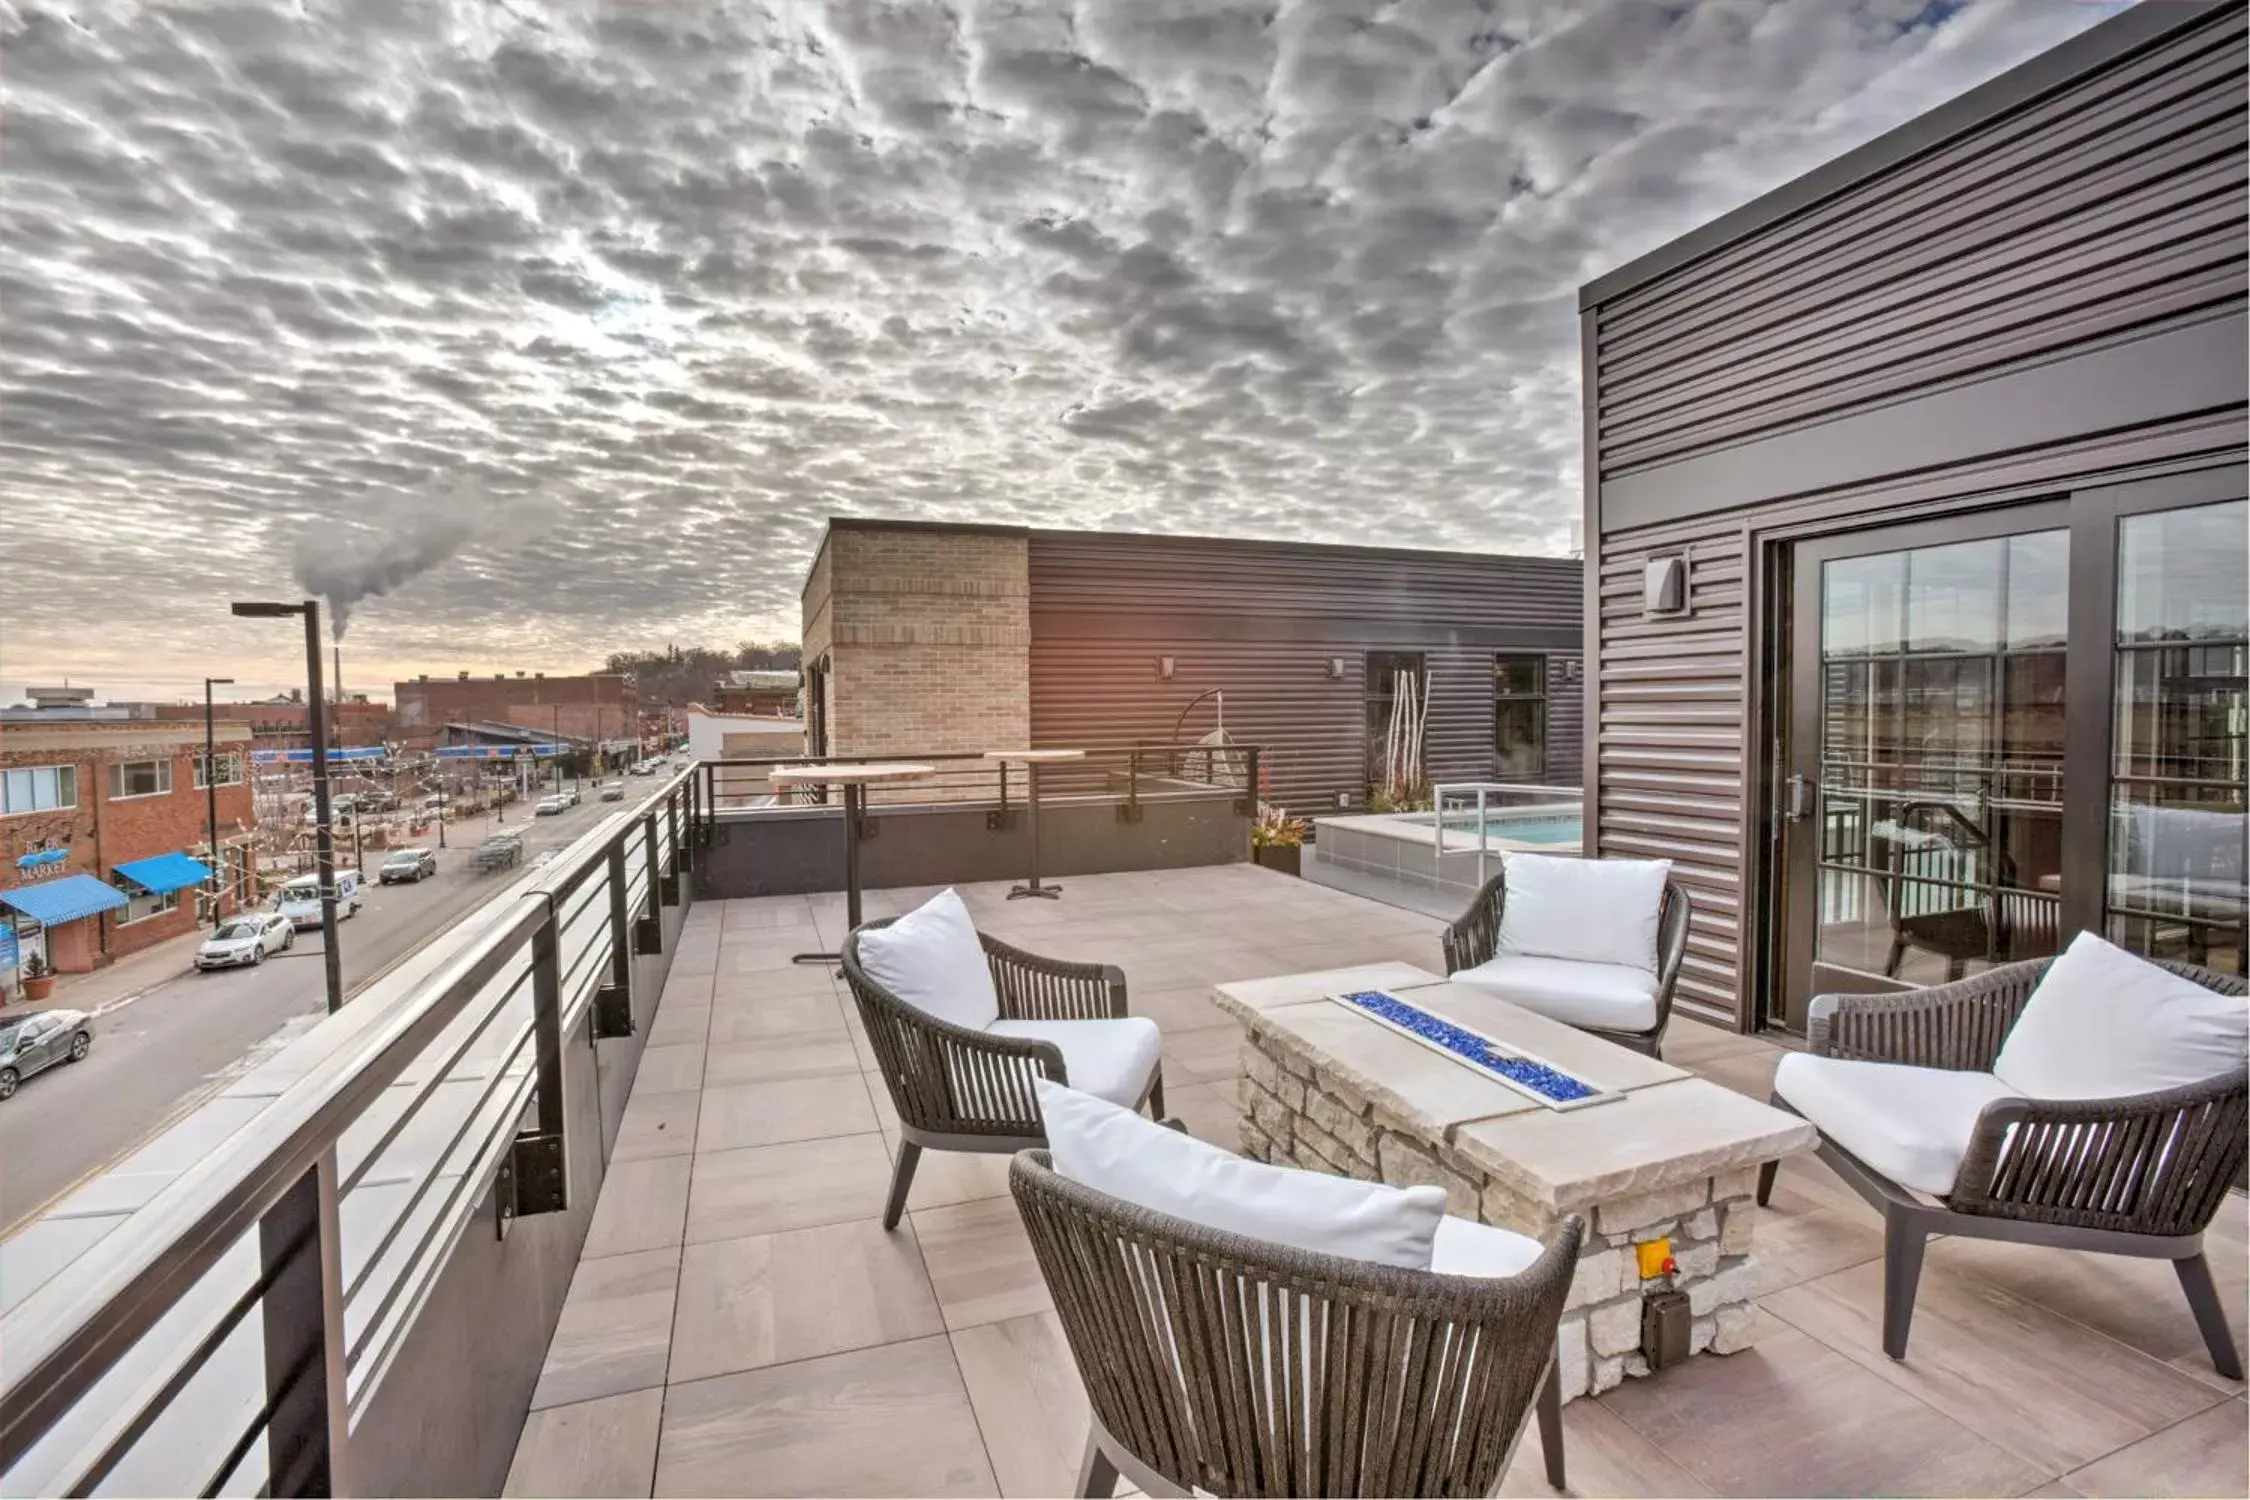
pixel 1797 803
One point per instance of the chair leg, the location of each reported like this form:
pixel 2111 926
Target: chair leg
pixel 1156 1097
pixel 1550 1424
pixel 2210 1313
pixel 1097 1476
pixel 1903 1240
pixel 902 1179
pixel 1766 1171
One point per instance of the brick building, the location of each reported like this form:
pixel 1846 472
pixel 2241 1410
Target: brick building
pixel 600 705
pixel 754 691
pixel 923 638
pixel 284 724
pixel 918 638
pixel 95 818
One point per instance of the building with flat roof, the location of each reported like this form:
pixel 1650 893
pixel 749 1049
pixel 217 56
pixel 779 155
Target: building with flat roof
pixel 922 637
pixel 584 708
pixel 1916 538
pixel 105 836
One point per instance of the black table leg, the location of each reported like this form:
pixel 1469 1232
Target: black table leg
pixel 1034 888
pixel 852 793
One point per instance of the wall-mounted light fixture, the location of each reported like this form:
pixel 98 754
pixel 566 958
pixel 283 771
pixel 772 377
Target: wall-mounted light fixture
pixel 1164 665
pixel 1335 669
pixel 1664 586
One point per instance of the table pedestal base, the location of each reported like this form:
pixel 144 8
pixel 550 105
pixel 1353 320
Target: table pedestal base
pixel 1296 1115
pixel 1049 892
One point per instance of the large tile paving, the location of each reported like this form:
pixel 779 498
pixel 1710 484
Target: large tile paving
pixel 741 1324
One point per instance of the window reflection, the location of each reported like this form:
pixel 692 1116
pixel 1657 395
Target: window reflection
pixel 1941 756
pixel 2181 740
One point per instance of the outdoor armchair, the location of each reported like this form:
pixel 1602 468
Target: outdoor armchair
pixel 1935 1140
pixel 1226 1365
pixel 966 1088
pixel 1618 1002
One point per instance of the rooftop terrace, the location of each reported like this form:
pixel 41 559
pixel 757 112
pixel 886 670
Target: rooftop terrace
pixel 741 1324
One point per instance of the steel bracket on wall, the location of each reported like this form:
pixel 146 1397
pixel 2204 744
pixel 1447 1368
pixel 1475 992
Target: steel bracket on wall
pixel 648 933
pixel 668 888
pixel 1128 812
pixel 1000 820
pixel 1242 807
pixel 532 1179
pixel 613 1012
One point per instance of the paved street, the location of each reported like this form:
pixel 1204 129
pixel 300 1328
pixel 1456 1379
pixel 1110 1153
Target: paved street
pixel 167 1050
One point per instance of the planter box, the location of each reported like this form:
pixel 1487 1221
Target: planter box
pixel 1287 858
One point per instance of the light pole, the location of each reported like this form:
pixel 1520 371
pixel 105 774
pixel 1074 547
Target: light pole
pixel 211 791
pixel 324 843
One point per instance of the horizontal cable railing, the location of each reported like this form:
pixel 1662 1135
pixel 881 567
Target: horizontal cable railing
pixel 223 1337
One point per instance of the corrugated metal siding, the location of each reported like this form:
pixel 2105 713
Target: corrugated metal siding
pixel 1671 739
pixel 2114 207
pixel 1261 621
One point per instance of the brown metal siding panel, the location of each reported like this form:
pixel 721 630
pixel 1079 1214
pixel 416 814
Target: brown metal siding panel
pixel 1261 621
pixel 2117 206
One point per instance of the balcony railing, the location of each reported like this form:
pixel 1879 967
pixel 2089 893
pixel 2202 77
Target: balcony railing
pixel 379 1243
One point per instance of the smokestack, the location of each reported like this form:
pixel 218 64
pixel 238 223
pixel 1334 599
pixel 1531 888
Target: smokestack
pixel 336 655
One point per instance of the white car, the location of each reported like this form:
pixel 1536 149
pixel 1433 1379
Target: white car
pixel 246 940
pixel 549 806
pixel 299 899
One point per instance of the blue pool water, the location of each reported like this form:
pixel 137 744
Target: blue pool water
pixel 1566 828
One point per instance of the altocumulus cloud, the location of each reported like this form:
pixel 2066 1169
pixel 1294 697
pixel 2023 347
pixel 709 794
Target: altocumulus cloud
pixel 682 279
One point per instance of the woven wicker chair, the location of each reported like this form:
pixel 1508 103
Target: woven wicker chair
pixel 957 1089
pixel 2135 1176
pixel 1475 937
pixel 1234 1366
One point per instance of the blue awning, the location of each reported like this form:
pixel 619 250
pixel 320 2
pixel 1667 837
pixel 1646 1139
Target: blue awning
pixel 53 902
pixel 165 873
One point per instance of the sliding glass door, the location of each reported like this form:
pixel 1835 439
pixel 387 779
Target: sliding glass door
pixel 2003 728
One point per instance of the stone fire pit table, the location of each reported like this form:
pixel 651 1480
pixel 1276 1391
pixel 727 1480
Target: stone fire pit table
pixel 1327 1088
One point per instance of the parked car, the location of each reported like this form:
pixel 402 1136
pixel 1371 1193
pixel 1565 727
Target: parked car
pixel 374 802
pixel 246 939
pixel 572 793
pixel 339 809
pixel 550 805
pixel 401 865
pixel 613 791
pixel 34 1043
pixel 299 899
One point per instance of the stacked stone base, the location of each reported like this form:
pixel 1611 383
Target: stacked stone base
pixel 1296 1113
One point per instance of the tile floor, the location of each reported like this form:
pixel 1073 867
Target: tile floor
pixel 741 1324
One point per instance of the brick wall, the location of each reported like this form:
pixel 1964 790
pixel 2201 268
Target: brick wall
pixel 929 636
pixel 102 831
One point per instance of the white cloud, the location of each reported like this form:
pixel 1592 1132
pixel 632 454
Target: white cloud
pixel 684 280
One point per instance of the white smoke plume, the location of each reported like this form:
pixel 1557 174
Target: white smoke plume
pixel 346 566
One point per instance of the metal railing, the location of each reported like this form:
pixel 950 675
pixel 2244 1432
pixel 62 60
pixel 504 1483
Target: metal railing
pixel 332 1210
pixel 1130 774
pixel 1481 795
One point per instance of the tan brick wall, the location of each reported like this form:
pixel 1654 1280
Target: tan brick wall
pixel 930 636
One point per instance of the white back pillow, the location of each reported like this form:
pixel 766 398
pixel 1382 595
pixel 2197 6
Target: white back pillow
pixel 1598 911
pixel 931 959
pixel 1142 1162
pixel 2104 1024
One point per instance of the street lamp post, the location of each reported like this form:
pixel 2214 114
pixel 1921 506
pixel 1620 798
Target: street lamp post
pixel 324 843
pixel 211 791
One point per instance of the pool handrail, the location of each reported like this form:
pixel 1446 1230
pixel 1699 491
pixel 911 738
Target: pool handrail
pixel 1483 791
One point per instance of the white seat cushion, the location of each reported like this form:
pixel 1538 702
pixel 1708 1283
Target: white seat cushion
pixel 1121 1154
pixel 1601 911
pixel 1463 1247
pixel 2104 1024
pixel 931 959
pixel 1617 996
pixel 1910 1124
pixel 1110 1059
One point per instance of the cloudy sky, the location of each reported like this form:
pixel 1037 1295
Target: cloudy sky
pixel 574 322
